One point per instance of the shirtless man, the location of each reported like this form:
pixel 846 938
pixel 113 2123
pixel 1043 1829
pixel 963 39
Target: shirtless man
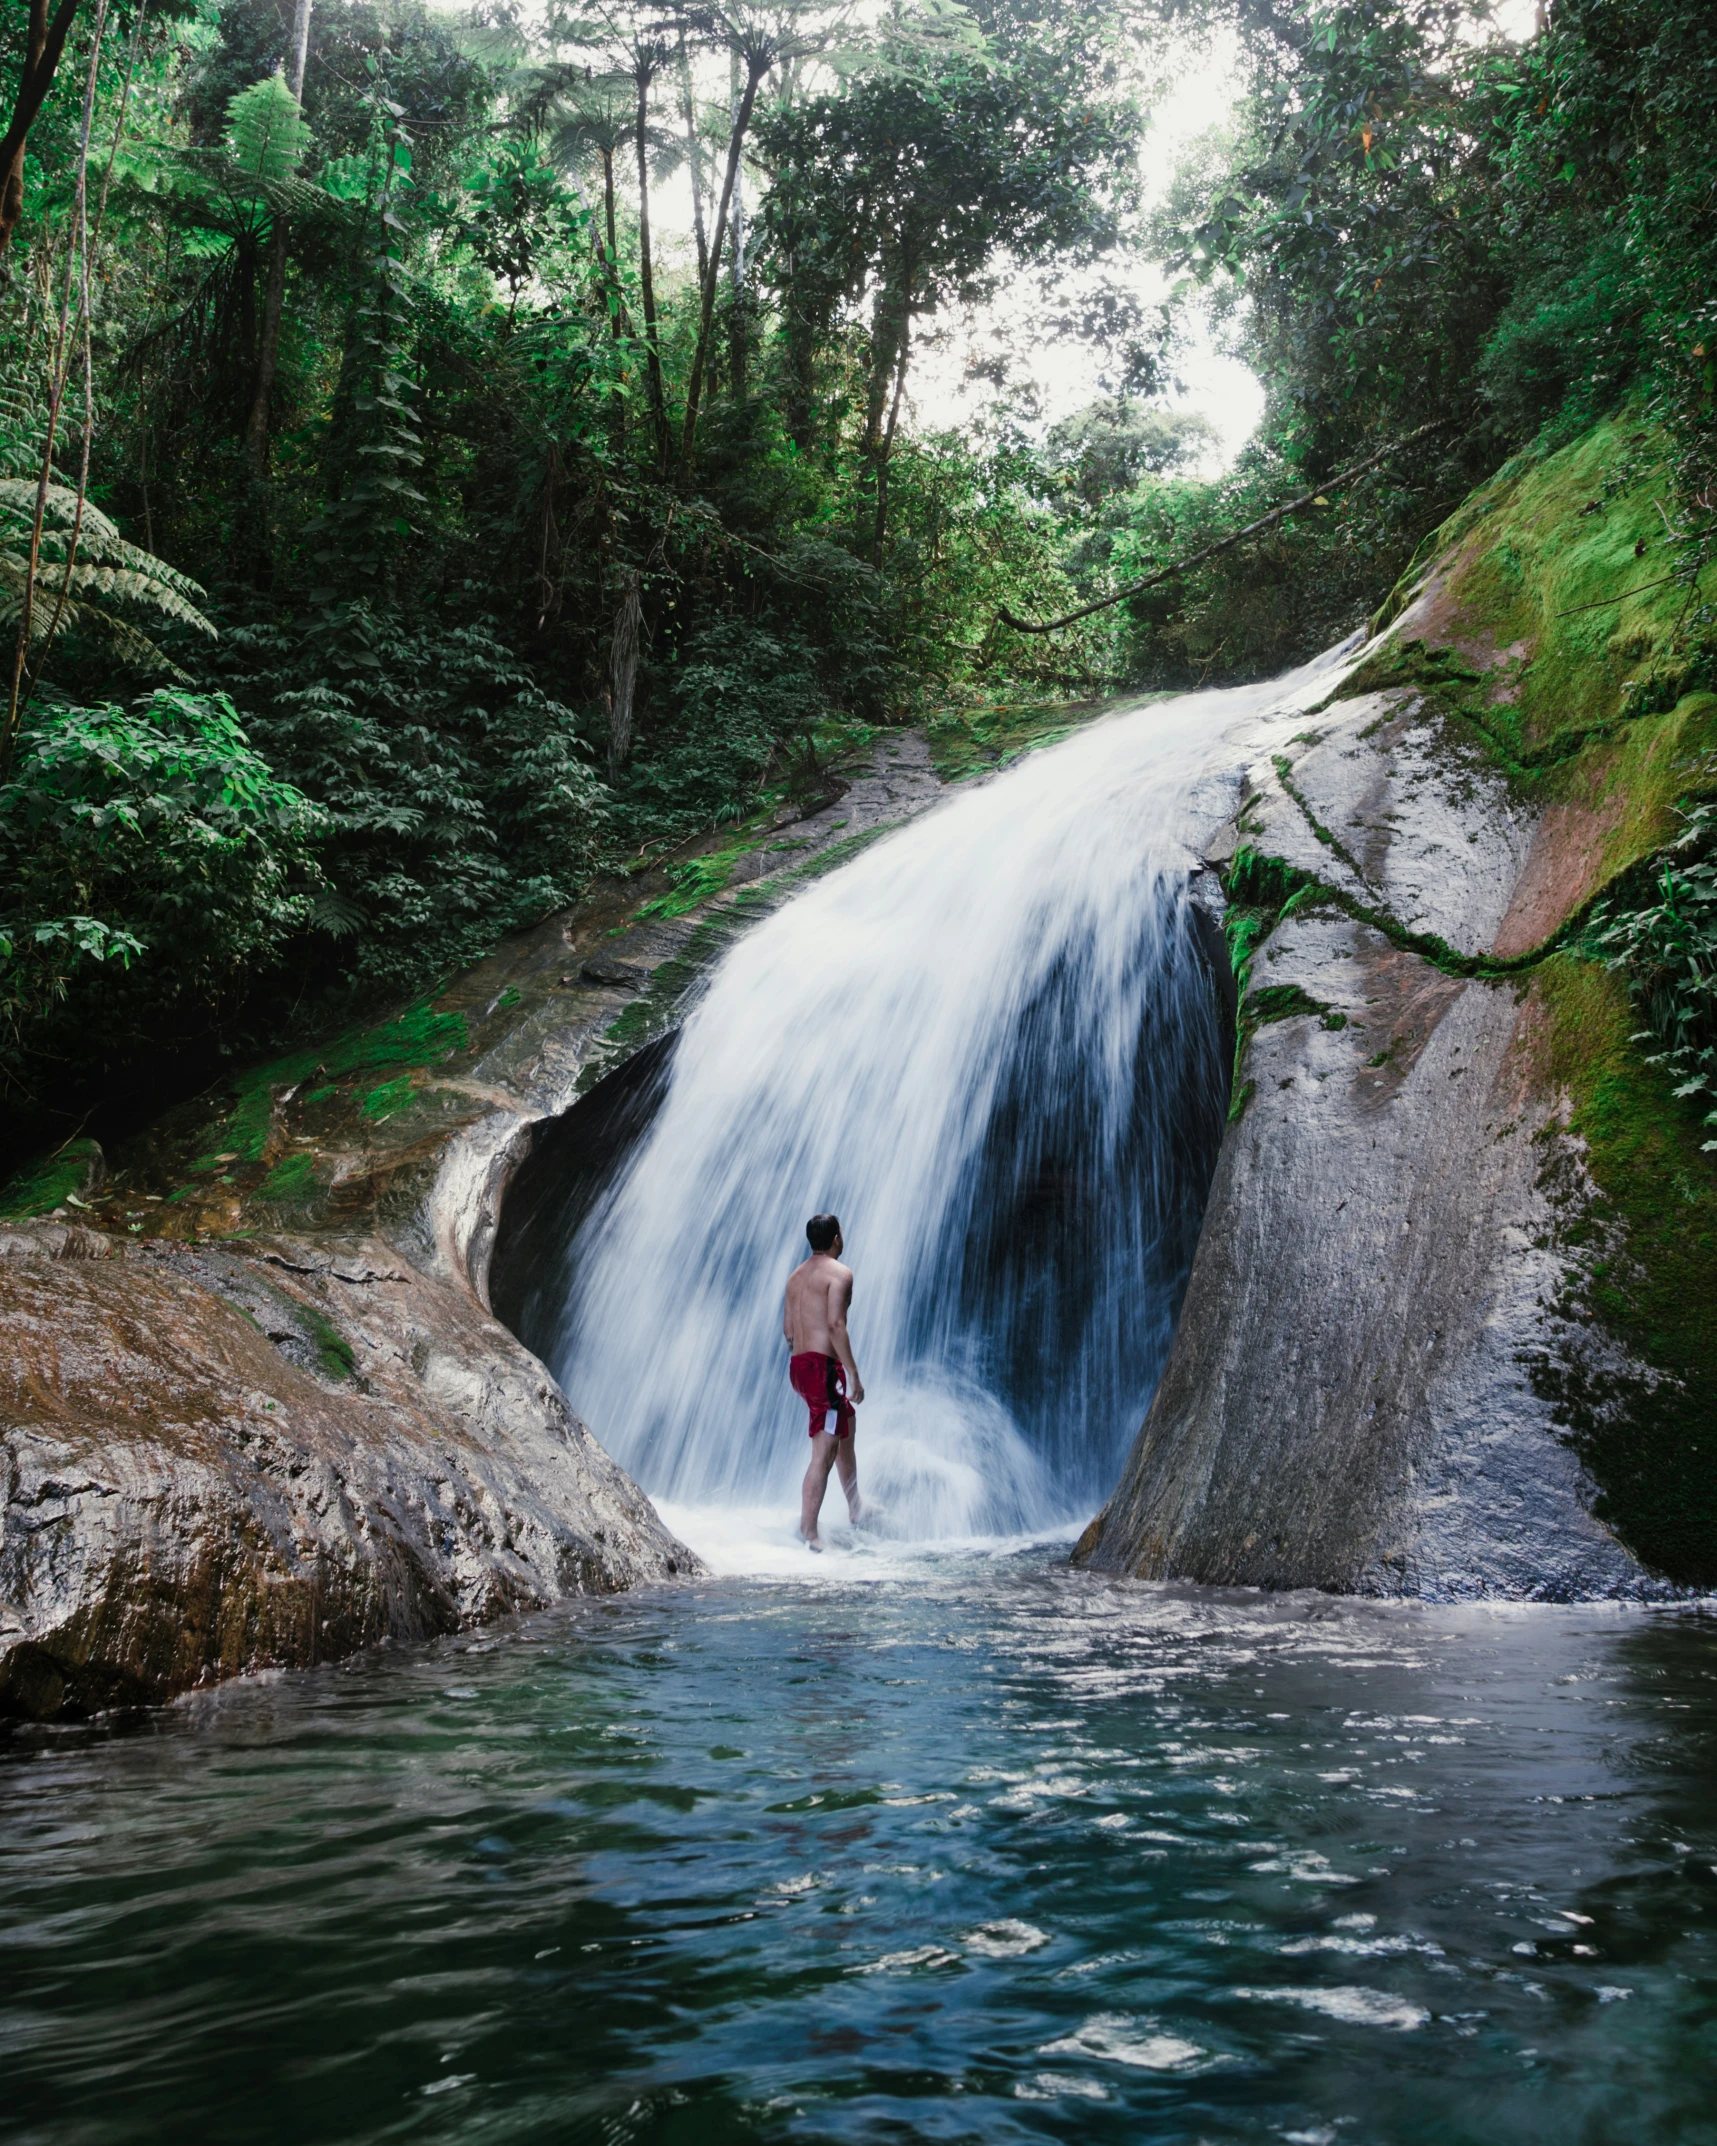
pixel 815 1324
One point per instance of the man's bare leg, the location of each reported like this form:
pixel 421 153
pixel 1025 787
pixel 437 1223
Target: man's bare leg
pixel 846 1464
pixel 824 1448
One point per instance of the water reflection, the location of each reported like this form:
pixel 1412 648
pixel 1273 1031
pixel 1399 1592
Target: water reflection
pixel 984 1849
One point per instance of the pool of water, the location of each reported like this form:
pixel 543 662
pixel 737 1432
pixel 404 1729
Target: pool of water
pixel 958 1846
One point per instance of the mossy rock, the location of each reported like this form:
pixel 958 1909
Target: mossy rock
pixel 418 1037
pixel 978 740
pixel 1554 618
pixel 54 1181
pixel 1650 1239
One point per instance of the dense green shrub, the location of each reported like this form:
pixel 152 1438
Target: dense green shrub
pixel 459 799
pixel 150 862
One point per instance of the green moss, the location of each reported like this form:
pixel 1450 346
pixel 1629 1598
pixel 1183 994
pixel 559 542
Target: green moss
pixel 1582 633
pixel 333 1350
pixel 1652 1453
pixel 1632 781
pixel 293 1178
pixel 391 1096
pixel 40 1187
pixel 419 1036
pixel 973 741
pixel 1275 1002
pixel 1262 886
pixel 837 854
pixel 1254 880
pixel 1284 1002
pixel 1285 776
pixel 698 881
pixel 1260 891
pixel 651 1013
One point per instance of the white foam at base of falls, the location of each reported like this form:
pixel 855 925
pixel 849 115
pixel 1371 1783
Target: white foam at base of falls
pixel 990 1043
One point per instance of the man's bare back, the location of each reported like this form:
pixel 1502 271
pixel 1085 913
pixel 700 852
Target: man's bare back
pixel 815 1317
pixel 823 1370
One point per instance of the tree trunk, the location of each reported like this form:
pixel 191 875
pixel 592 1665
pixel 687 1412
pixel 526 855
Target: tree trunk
pixel 612 265
pixel 801 398
pixel 694 159
pixel 623 674
pixel 886 445
pixel 646 277
pixel 755 70
pixel 549 558
pixel 44 42
pixel 736 320
pixel 274 304
pixel 246 278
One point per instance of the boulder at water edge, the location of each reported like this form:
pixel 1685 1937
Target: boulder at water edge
pixel 1451 1330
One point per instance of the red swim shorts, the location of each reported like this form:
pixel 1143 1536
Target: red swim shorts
pixel 821 1382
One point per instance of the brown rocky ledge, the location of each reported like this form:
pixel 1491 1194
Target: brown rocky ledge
pixel 220 1461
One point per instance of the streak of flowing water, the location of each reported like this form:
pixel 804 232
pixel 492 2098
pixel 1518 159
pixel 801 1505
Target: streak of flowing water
pixel 994 1045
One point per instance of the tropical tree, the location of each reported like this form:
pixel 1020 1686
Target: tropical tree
pixel 906 190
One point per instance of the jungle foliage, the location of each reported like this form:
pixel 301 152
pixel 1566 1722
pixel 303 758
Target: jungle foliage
pixel 402 519
pixel 485 533
pixel 1415 220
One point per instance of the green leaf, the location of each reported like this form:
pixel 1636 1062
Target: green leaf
pixel 266 133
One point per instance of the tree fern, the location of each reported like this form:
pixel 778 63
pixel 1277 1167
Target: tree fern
pixel 238 189
pixel 361 524
pixel 107 571
pixel 267 137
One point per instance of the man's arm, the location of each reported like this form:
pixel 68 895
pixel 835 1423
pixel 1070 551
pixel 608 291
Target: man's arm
pixel 840 1296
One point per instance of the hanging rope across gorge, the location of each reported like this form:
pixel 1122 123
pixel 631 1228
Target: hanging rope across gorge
pixel 1318 494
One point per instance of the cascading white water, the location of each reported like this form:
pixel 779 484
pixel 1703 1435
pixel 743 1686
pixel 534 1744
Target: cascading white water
pixel 993 1045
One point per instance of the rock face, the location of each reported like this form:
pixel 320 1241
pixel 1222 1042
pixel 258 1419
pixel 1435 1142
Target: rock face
pixel 1441 1336
pixel 1349 1401
pixel 217 1462
pixel 255 1411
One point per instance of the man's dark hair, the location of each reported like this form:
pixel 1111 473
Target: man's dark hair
pixel 822 1231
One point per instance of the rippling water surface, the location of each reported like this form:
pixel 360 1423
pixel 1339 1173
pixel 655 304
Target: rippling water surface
pixel 956 1847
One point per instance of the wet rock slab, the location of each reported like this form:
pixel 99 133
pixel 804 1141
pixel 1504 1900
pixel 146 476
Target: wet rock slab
pixel 1385 799
pixel 1355 1397
pixel 218 1461
pixel 1349 1401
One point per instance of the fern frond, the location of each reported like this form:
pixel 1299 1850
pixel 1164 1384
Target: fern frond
pixel 125 584
pixel 107 570
pixel 266 134
pixel 117 635
pixel 336 913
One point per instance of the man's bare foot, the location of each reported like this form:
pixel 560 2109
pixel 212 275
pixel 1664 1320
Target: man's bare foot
pixel 811 1543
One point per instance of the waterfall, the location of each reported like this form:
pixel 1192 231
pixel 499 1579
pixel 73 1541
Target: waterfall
pixel 994 1044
